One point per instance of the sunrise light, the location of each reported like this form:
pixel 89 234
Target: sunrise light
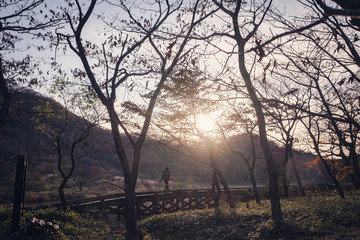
pixel 207 123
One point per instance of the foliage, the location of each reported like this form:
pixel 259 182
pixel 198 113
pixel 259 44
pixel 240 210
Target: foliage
pixel 320 216
pixel 323 213
pixel 341 172
pixel 72 226
pixel 49 116
pixel 264 191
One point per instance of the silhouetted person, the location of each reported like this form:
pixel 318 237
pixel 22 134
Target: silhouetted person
pixel 166 177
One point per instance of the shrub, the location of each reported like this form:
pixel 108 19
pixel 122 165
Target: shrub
pixel 72 226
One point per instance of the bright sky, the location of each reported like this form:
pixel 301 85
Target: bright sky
pixel 207 123
pixel 91 32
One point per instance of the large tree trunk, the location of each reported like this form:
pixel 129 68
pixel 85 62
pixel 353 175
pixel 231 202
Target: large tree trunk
pixel 350 5
pixel 6 97
pixel 226 189
pixel 253 183
pixel 62 195
pixel 270 162
pixel 130 211
pixel 215 188
pixel 130 179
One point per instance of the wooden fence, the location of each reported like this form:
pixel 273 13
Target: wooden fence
pixel 147 203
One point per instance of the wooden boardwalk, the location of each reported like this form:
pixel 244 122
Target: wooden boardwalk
pixel 147 203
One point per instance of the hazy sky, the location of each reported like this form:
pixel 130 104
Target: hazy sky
pixel 292 8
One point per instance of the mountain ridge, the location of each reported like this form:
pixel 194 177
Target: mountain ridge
pixel 98 169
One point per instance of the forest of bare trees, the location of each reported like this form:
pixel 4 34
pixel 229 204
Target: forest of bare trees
pixel 151 69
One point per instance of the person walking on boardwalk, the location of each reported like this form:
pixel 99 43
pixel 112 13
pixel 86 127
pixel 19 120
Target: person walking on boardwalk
pixel 166 177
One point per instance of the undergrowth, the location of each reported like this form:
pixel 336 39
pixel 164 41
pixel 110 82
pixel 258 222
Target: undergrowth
pixel 316 217
pixel 323 216
pixel 71 226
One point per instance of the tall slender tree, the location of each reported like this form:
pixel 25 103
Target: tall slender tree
pixel 122 57
pixel 184 100
pixel 241 35
pixel 243 116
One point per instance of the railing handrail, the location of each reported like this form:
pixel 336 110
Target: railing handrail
pixel 122 195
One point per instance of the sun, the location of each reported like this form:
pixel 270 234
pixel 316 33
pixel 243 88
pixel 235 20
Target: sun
pixel 206 123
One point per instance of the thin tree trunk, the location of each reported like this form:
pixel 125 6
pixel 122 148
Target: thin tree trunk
pixel 355 166
pixel 226 189
pixel 216 190
pixel 62 196
pixel 298 180
pixel 253 183
pixel 284 171
pixel 252 167
pixel 247 162
pixel 333 178
pixel 211 155
pixel 62 185
pixel 325 163
pixel 338 133
pixel 66 177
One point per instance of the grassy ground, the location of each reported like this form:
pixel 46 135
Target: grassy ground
pixel 321 216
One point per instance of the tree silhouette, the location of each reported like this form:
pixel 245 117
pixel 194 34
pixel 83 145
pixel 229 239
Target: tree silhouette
pixel 121 58
pixel 19 19
pixel 183 101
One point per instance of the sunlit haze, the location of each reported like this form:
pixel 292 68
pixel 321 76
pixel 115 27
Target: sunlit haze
pixel 206 119
pixel 207 123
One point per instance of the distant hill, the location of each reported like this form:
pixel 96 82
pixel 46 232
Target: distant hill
pixel 98 169
pixel 19 136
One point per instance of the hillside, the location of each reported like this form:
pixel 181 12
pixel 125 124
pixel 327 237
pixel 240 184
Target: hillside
pixel 98 170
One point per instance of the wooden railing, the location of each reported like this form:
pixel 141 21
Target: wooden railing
pixel 147 203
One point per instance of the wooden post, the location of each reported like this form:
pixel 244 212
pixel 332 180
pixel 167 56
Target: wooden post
pixel 196 199
pixel 173 202
pixel 138 202
pixel 19 192
pixel 211 199
pixel 121 205
pixel 102 206
pixel 156 204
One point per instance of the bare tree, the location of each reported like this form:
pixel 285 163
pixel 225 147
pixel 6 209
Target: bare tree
pixel 241 35
pixel 350 8
pixel 241 116
pixel 326 82
pixel 18 19
pixel 121 58
pixel 184 99
pixel 62 127
pixel 284 122
pixel 80 136
pixel 315 135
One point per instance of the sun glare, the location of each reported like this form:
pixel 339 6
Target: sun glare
pixel 206 123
